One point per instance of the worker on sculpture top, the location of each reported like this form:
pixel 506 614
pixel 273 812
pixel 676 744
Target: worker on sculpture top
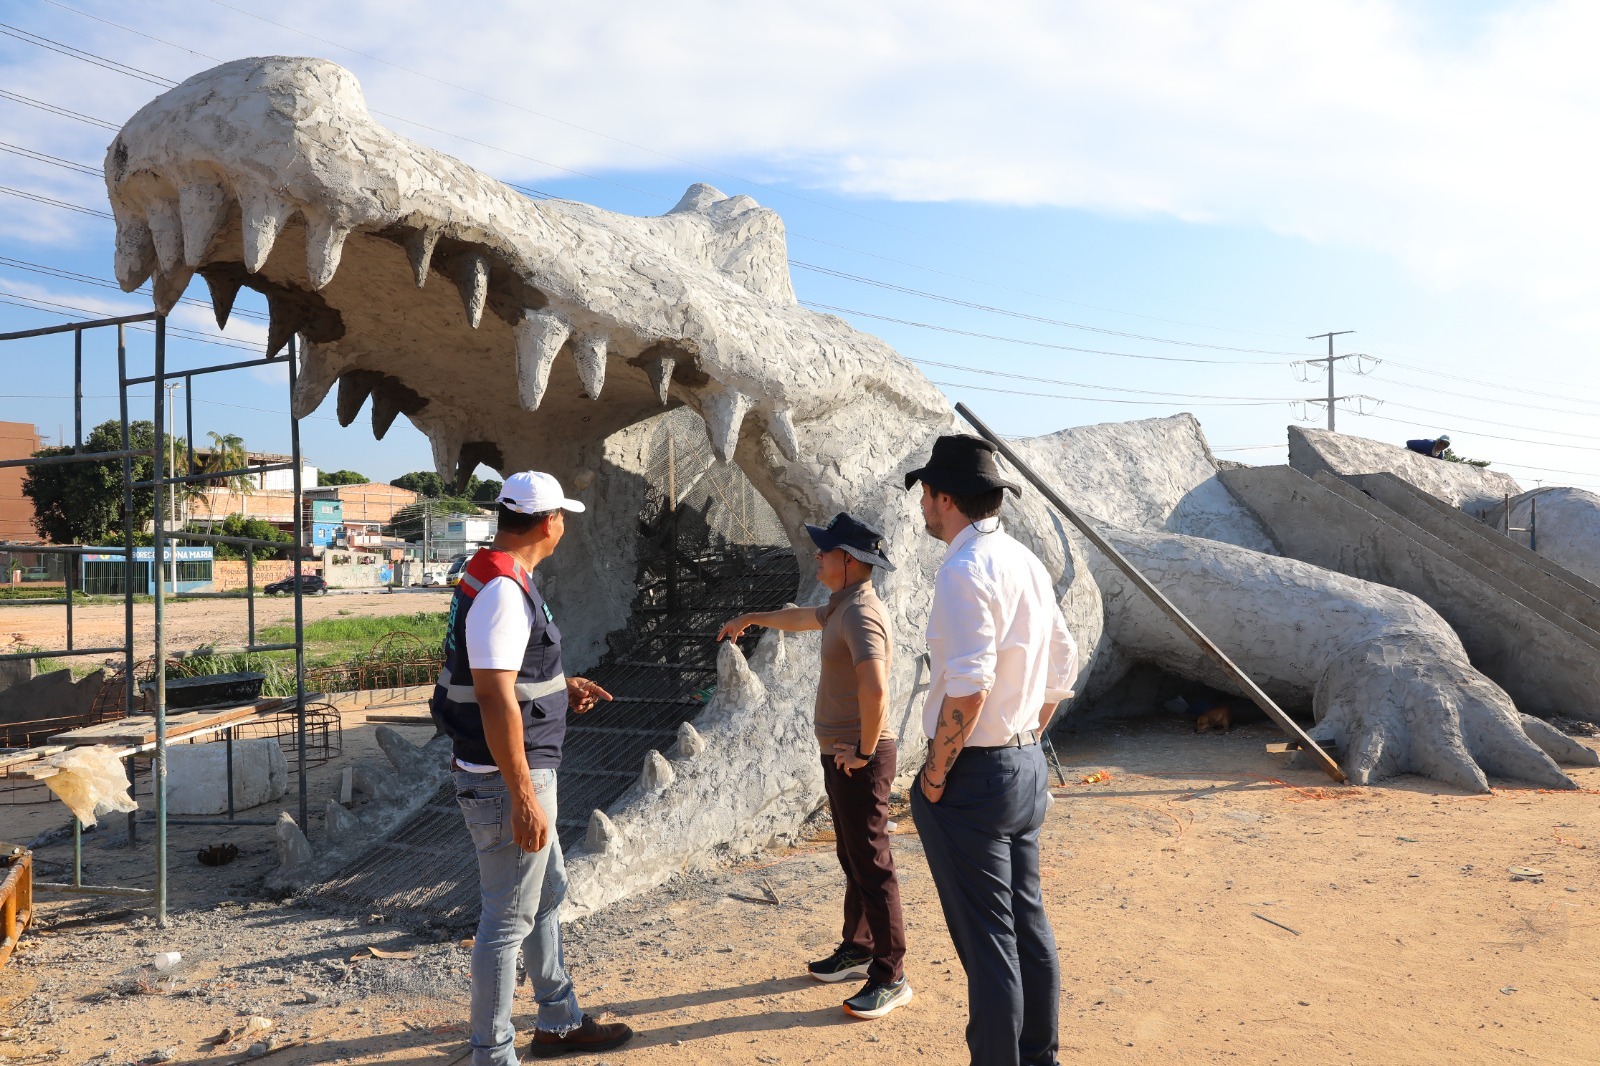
pixel 858 756
pixel 1000 660
pixel 1433 448
pixel 503 698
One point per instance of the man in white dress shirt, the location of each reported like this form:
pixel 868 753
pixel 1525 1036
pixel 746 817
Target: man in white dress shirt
pixel 1001 660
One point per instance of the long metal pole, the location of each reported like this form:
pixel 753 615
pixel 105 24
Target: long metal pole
pixel 1330 383
pixel 159 544
pixel 77 389
pixel 299 589
pixel 1192 631
pixel 128 660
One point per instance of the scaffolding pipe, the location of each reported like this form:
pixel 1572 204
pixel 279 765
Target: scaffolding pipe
pixel 1170 609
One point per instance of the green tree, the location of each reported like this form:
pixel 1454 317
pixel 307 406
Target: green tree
pixel 254 528
pixel 344 477
pixel 81 503
pixel 1450 456
pixel 422 482
pixel 427 483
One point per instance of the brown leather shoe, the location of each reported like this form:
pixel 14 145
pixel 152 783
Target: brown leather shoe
pixel 590 1036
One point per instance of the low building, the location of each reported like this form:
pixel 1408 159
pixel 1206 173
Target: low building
pixel 364 510
pixel 18 440
pixel 101 570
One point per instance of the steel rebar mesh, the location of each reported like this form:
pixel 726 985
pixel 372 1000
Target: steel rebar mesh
pixel 709 548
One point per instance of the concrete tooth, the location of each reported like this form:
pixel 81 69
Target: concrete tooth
pixel 737 684
pixel 602 835
pixel 661 369
pixel 354 388
pixel 419 249
pixel 657 773
pixel 136 251
pixel 539 337
pixel 472 276
pixel 690 742
pixel 224 290
pixel 590 353
pixel 166 229
pixel 203 208
pixel 312 381
pixel 170 286
pixel 724 412
pixel 262 215
pixel 324 245
pixel 447 445
pixel 781 425
pixel 286 320
pixel 385 407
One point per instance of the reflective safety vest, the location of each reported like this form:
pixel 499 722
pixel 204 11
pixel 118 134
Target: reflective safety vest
pixel 541 687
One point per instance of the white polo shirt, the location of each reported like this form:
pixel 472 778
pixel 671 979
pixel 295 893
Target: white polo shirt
pixel 995 625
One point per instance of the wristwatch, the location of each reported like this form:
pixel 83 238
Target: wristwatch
pixel 863 756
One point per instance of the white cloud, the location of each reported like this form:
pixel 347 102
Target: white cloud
pixel 1464 151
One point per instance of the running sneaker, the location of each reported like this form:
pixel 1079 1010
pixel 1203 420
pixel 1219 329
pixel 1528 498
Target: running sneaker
pixel 877 999
pixel 843 963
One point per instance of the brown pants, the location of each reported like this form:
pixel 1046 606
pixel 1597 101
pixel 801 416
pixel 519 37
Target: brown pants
pixel 860 807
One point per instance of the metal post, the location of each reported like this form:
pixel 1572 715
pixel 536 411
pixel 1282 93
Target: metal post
pixel 188 404
pixel 77 850
pixel 299 589
pixel 128 661
pixel 250 593
pixel 77 388
pixel 1142 583
pixel 158 768
pixel 227 735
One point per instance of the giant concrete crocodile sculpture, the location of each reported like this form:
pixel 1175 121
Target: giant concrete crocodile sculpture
pixel 518 333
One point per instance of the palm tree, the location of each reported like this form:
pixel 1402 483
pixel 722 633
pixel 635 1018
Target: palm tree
pixel 227 453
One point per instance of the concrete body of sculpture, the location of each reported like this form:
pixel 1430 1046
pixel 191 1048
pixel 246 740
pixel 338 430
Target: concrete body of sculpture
pixel 1565 523
pixel 520 333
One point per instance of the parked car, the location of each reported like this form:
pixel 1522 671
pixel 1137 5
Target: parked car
pixel 310 585
pixel 458 566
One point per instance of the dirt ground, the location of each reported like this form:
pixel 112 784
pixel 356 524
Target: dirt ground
pixel 1211 907
pixel 192 622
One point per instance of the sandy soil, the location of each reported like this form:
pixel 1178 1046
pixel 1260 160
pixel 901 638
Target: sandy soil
pixel 1170 885
pixel 195 622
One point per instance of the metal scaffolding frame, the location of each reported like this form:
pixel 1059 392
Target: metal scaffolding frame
pixel 161 481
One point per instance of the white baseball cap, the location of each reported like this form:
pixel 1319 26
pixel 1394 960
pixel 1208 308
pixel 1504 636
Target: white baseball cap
pixel 535 492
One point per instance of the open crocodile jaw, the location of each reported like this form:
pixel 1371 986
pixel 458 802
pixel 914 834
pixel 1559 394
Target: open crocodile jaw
pixel 395 262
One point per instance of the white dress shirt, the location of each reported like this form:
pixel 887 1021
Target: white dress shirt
pixel 995 626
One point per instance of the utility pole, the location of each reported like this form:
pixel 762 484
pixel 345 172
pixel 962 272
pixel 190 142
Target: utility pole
pixel 1330 360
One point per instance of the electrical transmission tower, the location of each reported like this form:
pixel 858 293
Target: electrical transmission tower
pixel 1333 400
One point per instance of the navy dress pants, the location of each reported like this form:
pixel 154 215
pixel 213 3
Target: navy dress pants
pixel 982 844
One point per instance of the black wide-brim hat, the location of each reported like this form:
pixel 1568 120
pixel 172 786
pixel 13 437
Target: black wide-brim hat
pixel 962 465
pixel 857 538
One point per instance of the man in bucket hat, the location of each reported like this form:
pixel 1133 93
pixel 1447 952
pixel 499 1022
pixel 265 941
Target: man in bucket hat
pixel 1000 659
pixel 858 756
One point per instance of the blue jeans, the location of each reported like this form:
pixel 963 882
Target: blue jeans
pixel 982 844
pixel 522 896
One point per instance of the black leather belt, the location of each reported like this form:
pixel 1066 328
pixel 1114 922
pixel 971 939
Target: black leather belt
pixel 1021 740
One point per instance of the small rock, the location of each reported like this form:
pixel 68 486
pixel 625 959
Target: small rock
pixel 258 1049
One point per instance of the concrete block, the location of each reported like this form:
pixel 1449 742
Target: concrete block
pixel 197 776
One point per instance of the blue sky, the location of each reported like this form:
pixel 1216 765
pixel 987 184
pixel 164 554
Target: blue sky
pixel 1209 181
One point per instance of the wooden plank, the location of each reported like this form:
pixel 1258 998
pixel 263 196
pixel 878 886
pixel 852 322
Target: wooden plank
pixel 142 729
pixel 347 781
pixel 398 703
pixel 17 758
pixel 401 719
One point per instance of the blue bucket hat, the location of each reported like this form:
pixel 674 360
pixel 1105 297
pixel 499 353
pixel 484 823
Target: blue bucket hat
pixel 857 538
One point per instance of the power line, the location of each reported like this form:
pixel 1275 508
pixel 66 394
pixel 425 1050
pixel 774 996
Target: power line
pixel 1491 436
pixel 1034 344
pixel 187 334
pixel 85 279
pixel 55 203
pixel 1101 399
pixel 87 57
pixel 1105 388
pixel 831 272
pixel 62 111
pixel 54 160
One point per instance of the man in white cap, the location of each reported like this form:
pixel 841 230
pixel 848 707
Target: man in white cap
pixel 502 698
